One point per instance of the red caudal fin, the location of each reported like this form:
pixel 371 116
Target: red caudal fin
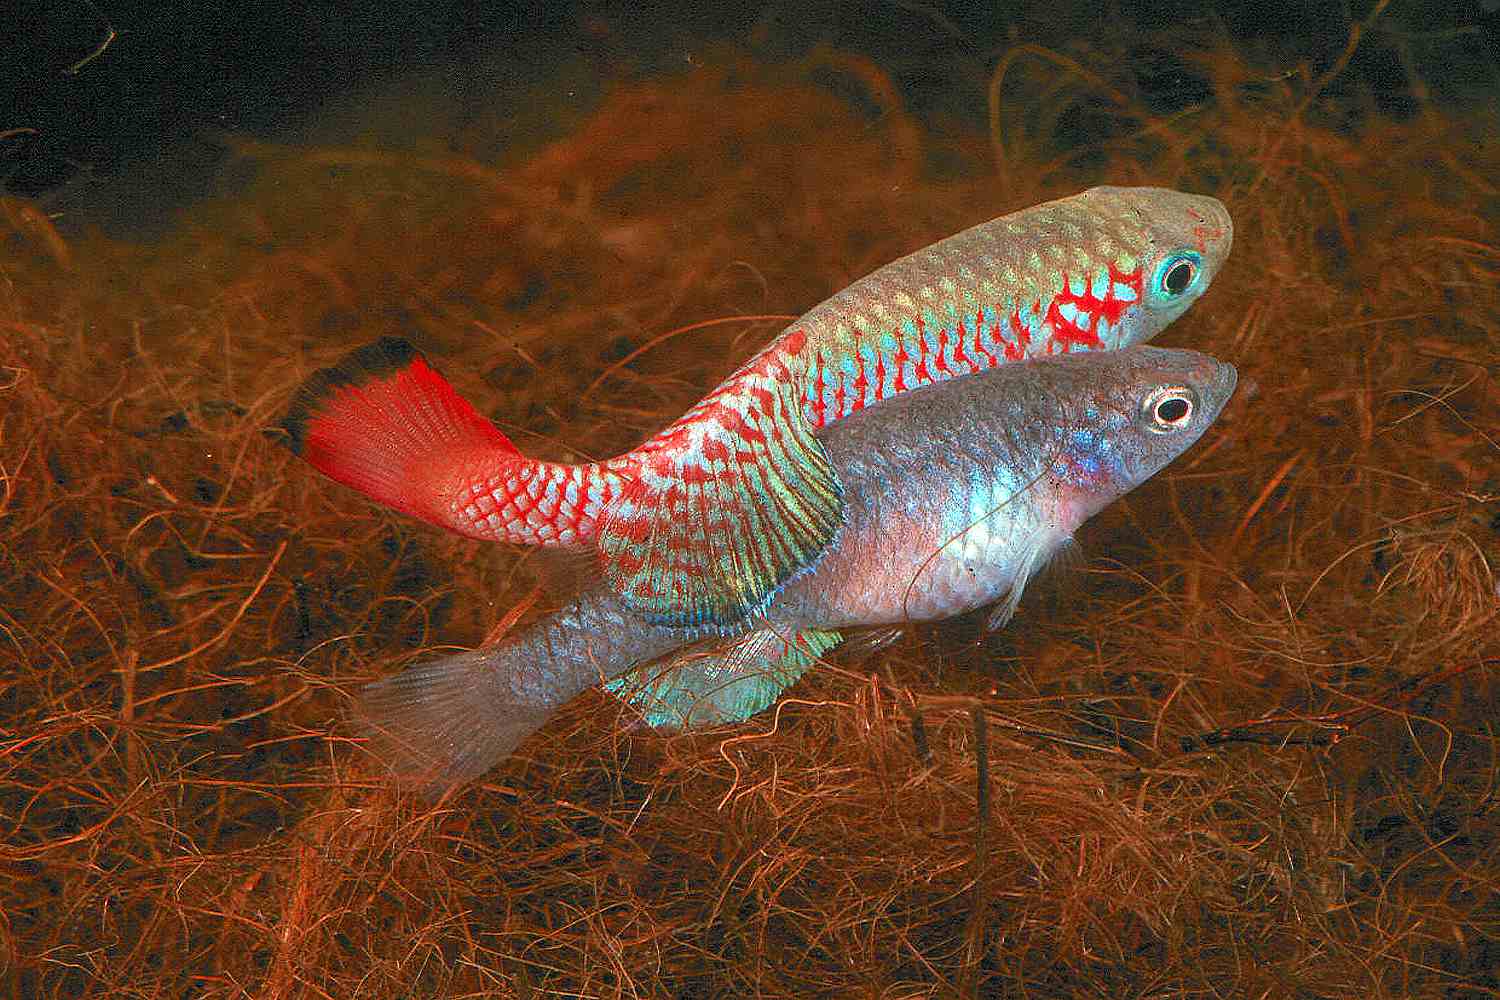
pixel 385 423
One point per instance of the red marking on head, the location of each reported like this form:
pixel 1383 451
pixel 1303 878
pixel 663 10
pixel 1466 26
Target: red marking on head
pixel 715 450
pixel 1112 308
pixel 901 358
pixel 794 342
pixel 1203 232
pixel 1108 309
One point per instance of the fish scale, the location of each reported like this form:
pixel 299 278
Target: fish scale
pixel 954 495
pixel 1102 269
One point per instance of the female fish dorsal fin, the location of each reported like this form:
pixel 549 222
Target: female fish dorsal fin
pixel 727 503
pixel 725 684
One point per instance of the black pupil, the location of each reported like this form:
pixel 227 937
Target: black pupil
pixel 1170 411
pixel 1178 277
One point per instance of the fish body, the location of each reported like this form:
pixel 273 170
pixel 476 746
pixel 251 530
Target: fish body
pixel 703 522
pixel 953 496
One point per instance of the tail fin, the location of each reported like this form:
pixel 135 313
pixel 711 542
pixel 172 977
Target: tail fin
pixel 387 424
pixel 446 722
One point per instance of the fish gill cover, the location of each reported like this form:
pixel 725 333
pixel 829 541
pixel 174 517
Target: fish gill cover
pixel 1248 751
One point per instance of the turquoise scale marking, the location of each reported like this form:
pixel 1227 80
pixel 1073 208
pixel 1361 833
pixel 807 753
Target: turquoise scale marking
pixel 1076 286
pixel 1029 319
pixel 1100 288
pixel 728 686
pixel 909 331
pixel 1090 452
pixel 1124 292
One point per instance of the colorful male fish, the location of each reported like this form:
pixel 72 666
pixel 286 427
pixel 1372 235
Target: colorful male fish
pixel 703 522
pixel 953 495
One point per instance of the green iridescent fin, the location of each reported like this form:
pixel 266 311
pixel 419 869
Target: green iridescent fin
pixel 724 685
pixel 725 505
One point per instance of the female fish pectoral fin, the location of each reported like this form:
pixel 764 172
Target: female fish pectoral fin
pixel 1044 545
pixel 384 422
pixel 726 506
pixel 448 721
pixel 723 685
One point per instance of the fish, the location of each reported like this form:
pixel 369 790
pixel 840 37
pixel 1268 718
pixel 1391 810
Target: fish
pixel 955 494
pixel 706 519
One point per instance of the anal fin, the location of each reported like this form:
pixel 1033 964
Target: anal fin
pixel 727 504
pixel 726 684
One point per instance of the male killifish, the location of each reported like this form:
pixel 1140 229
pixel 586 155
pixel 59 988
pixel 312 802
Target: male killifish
pixel 954 494
pixel 701 523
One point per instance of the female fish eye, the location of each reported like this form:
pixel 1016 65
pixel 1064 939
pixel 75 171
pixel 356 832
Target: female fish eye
pixel 1177 274
pixel 1169 408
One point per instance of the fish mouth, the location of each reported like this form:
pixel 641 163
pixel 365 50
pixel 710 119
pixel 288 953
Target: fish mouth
pixel 1213 226
pixel 1222 383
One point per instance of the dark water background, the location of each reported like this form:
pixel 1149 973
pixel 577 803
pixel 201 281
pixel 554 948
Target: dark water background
pixel 136 93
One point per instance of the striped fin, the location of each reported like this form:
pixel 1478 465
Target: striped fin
pixel 725 685
pixel 727 504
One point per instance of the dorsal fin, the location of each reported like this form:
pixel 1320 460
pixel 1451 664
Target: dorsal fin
pixel 728 503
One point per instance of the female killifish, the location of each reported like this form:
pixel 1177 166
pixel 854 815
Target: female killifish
pixel 701 523
pixel 954 494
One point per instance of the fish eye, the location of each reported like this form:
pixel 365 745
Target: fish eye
pixel 1177 274
pixel 1169 408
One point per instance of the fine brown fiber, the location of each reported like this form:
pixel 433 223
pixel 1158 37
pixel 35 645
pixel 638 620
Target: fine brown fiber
pixel 1249 749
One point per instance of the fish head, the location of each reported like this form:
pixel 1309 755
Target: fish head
pixel 1164 249
pixel 1129 414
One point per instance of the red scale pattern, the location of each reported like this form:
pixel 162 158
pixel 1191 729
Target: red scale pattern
pixel 833 394
pixel 1109 309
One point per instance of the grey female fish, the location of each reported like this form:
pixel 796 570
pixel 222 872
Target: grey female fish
pixel 955 494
